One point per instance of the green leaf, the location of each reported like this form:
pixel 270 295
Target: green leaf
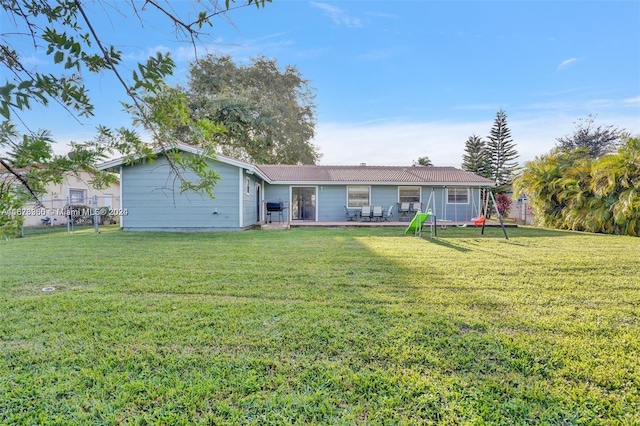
pixel 4 110
pixel 25 84
pixel 58 57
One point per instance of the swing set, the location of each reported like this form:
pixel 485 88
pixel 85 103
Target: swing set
pixel 420 219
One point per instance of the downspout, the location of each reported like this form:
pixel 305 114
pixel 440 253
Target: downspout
pixel 240 198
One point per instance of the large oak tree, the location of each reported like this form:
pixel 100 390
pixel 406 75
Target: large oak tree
pixel 268 112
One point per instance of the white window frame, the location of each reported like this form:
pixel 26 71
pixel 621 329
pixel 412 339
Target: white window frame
pixel 419 188
pixel 247 186
pixel 352 206
pixel 85 198
pixel 457 189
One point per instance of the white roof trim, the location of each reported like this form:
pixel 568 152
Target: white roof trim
pixel 193 150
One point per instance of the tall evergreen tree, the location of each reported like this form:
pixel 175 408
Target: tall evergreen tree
pixel 476 156
pixel 502 151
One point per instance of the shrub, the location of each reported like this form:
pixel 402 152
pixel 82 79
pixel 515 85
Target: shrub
pixel 504 204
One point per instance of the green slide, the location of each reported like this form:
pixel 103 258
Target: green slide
pixel 418 220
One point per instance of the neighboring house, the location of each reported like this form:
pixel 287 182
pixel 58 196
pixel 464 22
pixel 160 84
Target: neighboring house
pixel 74 190
pixel 311 193
pixel 521 211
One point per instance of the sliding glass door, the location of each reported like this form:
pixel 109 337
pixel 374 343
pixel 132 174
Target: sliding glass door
pixel 303 203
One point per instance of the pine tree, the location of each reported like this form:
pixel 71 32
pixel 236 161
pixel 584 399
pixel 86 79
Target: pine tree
pixel 502 151
pixel 476 156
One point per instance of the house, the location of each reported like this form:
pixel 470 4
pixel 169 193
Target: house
pixel 521 210
pixel 308 192
pixel 74 190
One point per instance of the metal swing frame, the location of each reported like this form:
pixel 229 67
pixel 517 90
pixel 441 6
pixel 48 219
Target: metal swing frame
pixel 488 195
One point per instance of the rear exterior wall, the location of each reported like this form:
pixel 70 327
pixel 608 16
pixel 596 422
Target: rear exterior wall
pixel 332 200
pixel 153 201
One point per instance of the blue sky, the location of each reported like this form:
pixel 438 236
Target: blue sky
pixel 396 80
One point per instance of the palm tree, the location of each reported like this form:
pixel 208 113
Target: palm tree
pixel 567 189
pixel 616 178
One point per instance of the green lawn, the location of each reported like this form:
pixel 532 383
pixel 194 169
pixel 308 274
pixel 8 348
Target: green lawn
pixel 338 326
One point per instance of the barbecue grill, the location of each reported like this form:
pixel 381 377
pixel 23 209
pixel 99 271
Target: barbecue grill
pixel 275 207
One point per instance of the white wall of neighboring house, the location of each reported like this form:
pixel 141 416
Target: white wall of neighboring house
pixel 76 189
pixel 521 211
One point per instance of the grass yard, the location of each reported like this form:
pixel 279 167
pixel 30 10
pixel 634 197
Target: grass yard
pixel 325 326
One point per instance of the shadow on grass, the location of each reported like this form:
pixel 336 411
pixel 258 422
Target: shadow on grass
pixel 303 326
pixel 449 245
pixel 427 322
pixel 496 232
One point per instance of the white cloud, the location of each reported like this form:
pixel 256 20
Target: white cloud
pixel 396 142
pixel 567 62
pixel 383 15
pixel 393 143
pixel 33 60
pixel 241 50
pixel 337 15
pixel 635 100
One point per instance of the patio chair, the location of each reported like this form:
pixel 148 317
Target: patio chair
pixel 377 213
pixel 416 206
pixel 350 214
pixel 403 209
pixel 365 213
pixel 389 213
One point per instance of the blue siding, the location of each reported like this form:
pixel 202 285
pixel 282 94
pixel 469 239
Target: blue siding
pixel 278 193
pixel 331 202
pixel 332 199
pixel 153 203
pixel 385 196
pixel 457 212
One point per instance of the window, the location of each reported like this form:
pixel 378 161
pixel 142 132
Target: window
pixel 358 196
pixel 408 194
pixel 77 196
pixel 247 186
pixel 457 195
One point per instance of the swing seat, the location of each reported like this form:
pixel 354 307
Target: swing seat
pixel 478 221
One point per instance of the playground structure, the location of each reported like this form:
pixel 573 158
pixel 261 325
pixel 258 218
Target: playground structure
pixel 420 219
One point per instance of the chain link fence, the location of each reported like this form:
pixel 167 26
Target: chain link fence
pixel 71 215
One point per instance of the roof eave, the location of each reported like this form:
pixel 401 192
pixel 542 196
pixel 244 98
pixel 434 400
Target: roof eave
pixel 381 183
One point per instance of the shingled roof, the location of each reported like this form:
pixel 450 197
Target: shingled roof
pixel 381 175
pixel 371 174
